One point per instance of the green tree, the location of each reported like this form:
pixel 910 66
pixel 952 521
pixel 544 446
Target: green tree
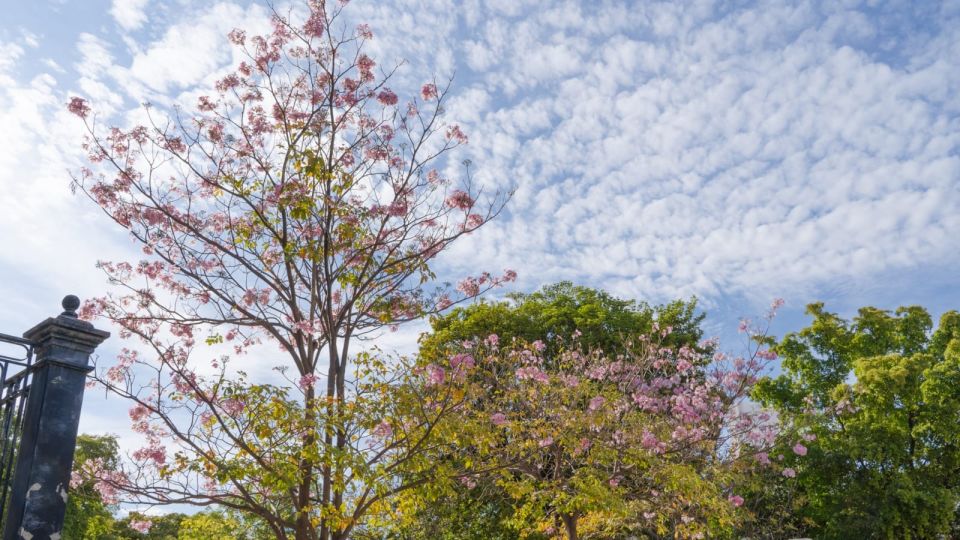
pixel 87 515
pixel 877 401
pixel 561 309
pixel 211 526
pixel 602 320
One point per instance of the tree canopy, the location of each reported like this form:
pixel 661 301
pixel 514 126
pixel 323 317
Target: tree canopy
pixel 879 396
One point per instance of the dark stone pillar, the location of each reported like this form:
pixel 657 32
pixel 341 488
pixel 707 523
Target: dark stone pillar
pixel 62 346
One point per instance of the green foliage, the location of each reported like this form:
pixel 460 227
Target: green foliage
pixel 164 527
pixel 881 394
pixel 209 525
pixel 604 322
pixel 87 516
pixel 560 310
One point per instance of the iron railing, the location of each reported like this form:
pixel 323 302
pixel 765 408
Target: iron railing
pixel 15 375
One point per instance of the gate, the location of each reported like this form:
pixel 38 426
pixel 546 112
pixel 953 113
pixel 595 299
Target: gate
pixel 42 378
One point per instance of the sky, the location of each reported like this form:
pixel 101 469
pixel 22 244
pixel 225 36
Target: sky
pixel 732 151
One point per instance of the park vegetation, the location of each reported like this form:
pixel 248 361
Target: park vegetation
pixel 294 214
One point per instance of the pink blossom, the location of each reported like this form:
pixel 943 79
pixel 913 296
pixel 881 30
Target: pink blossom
pixel 429 91
pixel 649 441
pixel 154 452
pixel 544 442
pixel 142 526
pixel 237 36
pixel 383 430
pixel 139 412
pixel 364 31
pixel 469 286
pixel 614 482
pixel 800 450
pixel 315 24
pixel 232 406
pixel 365 63
pixel 78 106
pixel 597 402
pixel 435 374
pixel 387 97
pixel 454 133
pixel 735 500
pixel 460 199
pixel 539 346
pixel 789 473
pixel 308 381
pixel 498 419
pixel 470 483
pixel 462 359
pixel 809 437
pixel 532 373
pixel 493 340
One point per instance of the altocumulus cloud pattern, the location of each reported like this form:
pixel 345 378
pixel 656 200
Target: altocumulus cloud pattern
pixel 656 149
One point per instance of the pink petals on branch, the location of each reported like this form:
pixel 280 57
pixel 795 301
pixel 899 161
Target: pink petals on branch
pixel 460 199
pixel 79 107
pixel 428 92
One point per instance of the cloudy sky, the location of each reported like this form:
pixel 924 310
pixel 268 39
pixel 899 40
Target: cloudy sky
pixel 731 151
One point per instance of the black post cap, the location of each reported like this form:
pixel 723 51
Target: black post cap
pixel 70 305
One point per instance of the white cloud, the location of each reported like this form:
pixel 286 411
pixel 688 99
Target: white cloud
pixel 193 50
pixel 129 14
pixel 658 149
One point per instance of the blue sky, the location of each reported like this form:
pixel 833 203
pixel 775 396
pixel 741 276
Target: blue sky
pixel 729 150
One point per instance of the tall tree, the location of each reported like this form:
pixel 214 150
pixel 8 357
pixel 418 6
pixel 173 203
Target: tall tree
pixel 300 206
pixel 876 401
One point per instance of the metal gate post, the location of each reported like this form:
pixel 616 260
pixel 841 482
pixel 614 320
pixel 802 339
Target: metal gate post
pixel 63 346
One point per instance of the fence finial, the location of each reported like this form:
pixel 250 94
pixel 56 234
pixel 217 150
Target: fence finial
pixel 70 304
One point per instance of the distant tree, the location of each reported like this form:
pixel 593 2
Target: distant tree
pixel 210 525
pixel 603 320
pixel 138 526
pixel 874 403
pixel 300 205
pixel 87 515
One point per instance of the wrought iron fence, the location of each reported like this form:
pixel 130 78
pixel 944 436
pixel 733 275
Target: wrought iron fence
pixel 15 377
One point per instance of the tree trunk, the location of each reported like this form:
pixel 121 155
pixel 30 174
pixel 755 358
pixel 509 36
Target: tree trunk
pixel 570 525
pixel 303 530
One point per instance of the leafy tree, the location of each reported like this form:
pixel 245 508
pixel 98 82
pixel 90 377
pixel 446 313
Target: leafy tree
pixel 569 440
pixel 87 515
pixel 875 400
pixel 207 525
pixel 300 205
pixel 603 321
pixel 137 526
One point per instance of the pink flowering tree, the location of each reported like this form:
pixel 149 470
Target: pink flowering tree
pixel 648 442
pixel 294 210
